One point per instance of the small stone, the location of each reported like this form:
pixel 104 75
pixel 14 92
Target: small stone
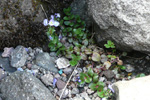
pixel 89 91
pixel 102 79
pixel 79 70
pixel 129 68
pixel 64 79
pixel 68 70
pixel 73 85
pixel 107 64
pixel 97 98
pixel 47 79
pixel 85 96
pixel 120 62
pixel 29 66
pixel 57 76
pixel 7 52
pixel 60 84
pixel 96 57
pixel 109 74
pixel 62 63
pixel 103 58
pixel 55 90
pixel 65 94
pixel 64 75
pixel 75 91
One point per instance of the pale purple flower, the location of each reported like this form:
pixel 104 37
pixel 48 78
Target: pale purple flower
pixel 52 17
pixel 57 15
pixel 54 81
pixel 110 87
pixel 26 49
pixel 51 22
pixel 50 37
pixel 45 22
pixel 19 69
pixel 79 80
pixel 60 36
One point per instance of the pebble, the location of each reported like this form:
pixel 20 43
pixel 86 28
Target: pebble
pixel 62 63
pixel 65 94
pixel 2 74
pixel 85 96
pixel 103 58
pixel 47 79
pixel 75 91
pixel 107 64
pixel 129 68
pixel 68 70
pixel 7 52
pixel 57 76
pixel 109 74
pixel 60 84
pixel 97 98
pixel 89 91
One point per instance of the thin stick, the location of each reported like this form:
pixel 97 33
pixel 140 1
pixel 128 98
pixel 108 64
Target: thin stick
pixel 68 82
pixel 44 11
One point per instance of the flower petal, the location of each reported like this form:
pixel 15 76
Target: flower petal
pixel 45 22
pixel 57 15
pixel 110 87
pixel 51 22
pixel 56 23
pixel 52 17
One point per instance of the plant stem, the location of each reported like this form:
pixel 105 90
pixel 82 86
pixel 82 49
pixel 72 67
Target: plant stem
pixel 68 81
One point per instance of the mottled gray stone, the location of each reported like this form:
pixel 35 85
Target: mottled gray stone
pixel 18 57
pixel 45 61
pixel 4 63
pixel 126 22
pixel 68 70
pixel 60 84
pixel 65 94
pixel 75 91
pixel 24 86
pixel 47 79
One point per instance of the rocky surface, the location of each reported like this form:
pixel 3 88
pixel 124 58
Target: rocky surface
pixel 45 61
pixel 24 86
pixel 125 22
pixel 135 89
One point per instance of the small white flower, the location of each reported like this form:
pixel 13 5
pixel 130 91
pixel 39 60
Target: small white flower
pixel 51 22
pixel 56 23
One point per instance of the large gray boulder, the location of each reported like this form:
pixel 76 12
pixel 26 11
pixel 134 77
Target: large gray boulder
pixel 24 86
pixel 127 22
pixel 135 89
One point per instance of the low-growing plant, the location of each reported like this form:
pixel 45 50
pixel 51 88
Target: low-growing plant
pixel 70 26
pixel 109 44
pixel 94 84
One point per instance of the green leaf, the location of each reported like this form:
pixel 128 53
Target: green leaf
pixel 66 18
pixel 90 72
pixel 100 83
pixel 109 42
pixel 93 87
pixel 95 77
pixel 73 62
pixel 59 44
pixel 112 46
pixel 71 24
pixel 72 16
pixel 101 94
pixel 122 67
pixel 88 79
pixel 77 31
pixel 107 46
pixel 109 56
pixel 69 29
pixel 67 22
